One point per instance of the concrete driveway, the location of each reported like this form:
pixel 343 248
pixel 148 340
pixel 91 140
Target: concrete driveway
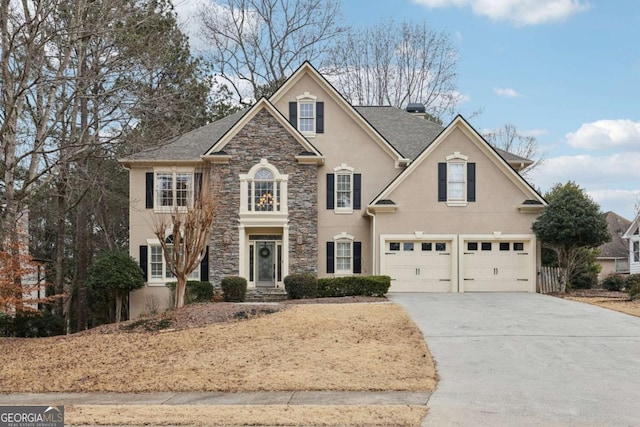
pixel 528 360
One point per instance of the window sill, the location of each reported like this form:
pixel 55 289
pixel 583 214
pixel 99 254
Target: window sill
pixel 169 209
pixel 308 134
pixel 343 211
pixel 457 203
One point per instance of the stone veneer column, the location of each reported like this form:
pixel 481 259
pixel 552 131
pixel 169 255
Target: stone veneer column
pixel 263 138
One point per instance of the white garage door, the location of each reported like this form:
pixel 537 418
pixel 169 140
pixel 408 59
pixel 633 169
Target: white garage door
pixel 496 266
pixel 418 266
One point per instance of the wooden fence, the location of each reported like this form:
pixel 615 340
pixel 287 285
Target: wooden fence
pixel 549 280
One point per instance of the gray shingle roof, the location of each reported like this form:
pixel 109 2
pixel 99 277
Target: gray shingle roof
pixel 191 145
pixel 407 133
pixel 617 247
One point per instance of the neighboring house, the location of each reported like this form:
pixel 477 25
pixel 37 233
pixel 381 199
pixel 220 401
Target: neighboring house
pixel 306 182
pixel 632 235
pixel 614 255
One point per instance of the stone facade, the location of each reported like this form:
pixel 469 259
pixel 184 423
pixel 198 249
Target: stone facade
pixel 279 148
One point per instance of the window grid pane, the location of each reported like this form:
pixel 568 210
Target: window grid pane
pixel 343 256
pixel 306 118
pixel 164 189
pixel 343 190
pixel 265 198
pixel 183 186
pixel 456 181
pixel 156 262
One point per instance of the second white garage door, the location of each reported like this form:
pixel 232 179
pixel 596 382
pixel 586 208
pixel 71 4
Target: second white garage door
pixel 419 266
pixel 496 266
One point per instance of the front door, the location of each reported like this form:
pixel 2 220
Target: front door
pixel 266 265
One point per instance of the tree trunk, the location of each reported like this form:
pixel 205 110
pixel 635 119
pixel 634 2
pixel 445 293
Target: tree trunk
pixel 181 287
pixel 119 300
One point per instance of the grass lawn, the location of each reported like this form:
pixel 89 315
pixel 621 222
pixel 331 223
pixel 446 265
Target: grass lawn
pixel 304 347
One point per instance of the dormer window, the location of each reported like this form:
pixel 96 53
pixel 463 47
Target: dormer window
pixel 307 114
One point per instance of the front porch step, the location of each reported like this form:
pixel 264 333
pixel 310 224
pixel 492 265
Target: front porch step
pixel 266 295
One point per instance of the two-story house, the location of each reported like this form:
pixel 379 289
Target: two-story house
pixel 306 182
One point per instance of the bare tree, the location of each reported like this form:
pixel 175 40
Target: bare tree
pixel 255 43
pixel 184 234
pixel 396 63
pixel 509 138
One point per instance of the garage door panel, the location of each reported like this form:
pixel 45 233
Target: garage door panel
pixel 496 266
pixel 418 266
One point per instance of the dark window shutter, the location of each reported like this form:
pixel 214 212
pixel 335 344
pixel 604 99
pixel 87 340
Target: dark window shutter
pixel 197 186
pixel 357 257
pixel 319 117
pixel 442 182
pixel 330 191
pixel 204 266
pixel 149 190
pixel 330 260
pixel 357 190
pixel 471 182
pixel 143 262
pixel 293 114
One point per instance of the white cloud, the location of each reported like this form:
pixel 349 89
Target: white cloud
pixel 605 134
pixel 518 12
pixel 622 202
pixel 187 11
pixel 612 181
pixel 507 92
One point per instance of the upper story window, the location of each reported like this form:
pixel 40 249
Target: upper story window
pixel 344 189
pixel 264 189
pixel 457 180
pixel 307 114
pixel 636 251
pixel 170 189
pixel 264 195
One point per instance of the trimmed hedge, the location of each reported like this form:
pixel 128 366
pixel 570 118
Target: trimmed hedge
pixel 353 286
pixel 31 325
pixel 234 288
pixel 613 282
pixel 301 286
pixel 196 291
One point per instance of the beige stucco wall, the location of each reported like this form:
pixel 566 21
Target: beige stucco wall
pixel 496 208
pixel 344 141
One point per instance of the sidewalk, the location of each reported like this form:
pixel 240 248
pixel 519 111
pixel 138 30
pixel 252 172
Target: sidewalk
pixel 220 398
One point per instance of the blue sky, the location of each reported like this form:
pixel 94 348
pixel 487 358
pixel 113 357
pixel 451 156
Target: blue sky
pixel 565 71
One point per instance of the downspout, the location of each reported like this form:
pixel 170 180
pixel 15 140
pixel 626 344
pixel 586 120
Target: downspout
pixel 373 242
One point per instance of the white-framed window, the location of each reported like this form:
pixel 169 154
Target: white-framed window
pixel 173 189
pixel 307 113
pixel 264 189
pixel 343 253
pixel 636 251
pixel 455 181
pixel 159 271
pixel 265 192
pixel 343 188
pixel 459 183
pixel 343 257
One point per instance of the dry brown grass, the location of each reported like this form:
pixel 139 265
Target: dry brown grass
pixel 274 415
pixel 306 347
pixel 612 303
